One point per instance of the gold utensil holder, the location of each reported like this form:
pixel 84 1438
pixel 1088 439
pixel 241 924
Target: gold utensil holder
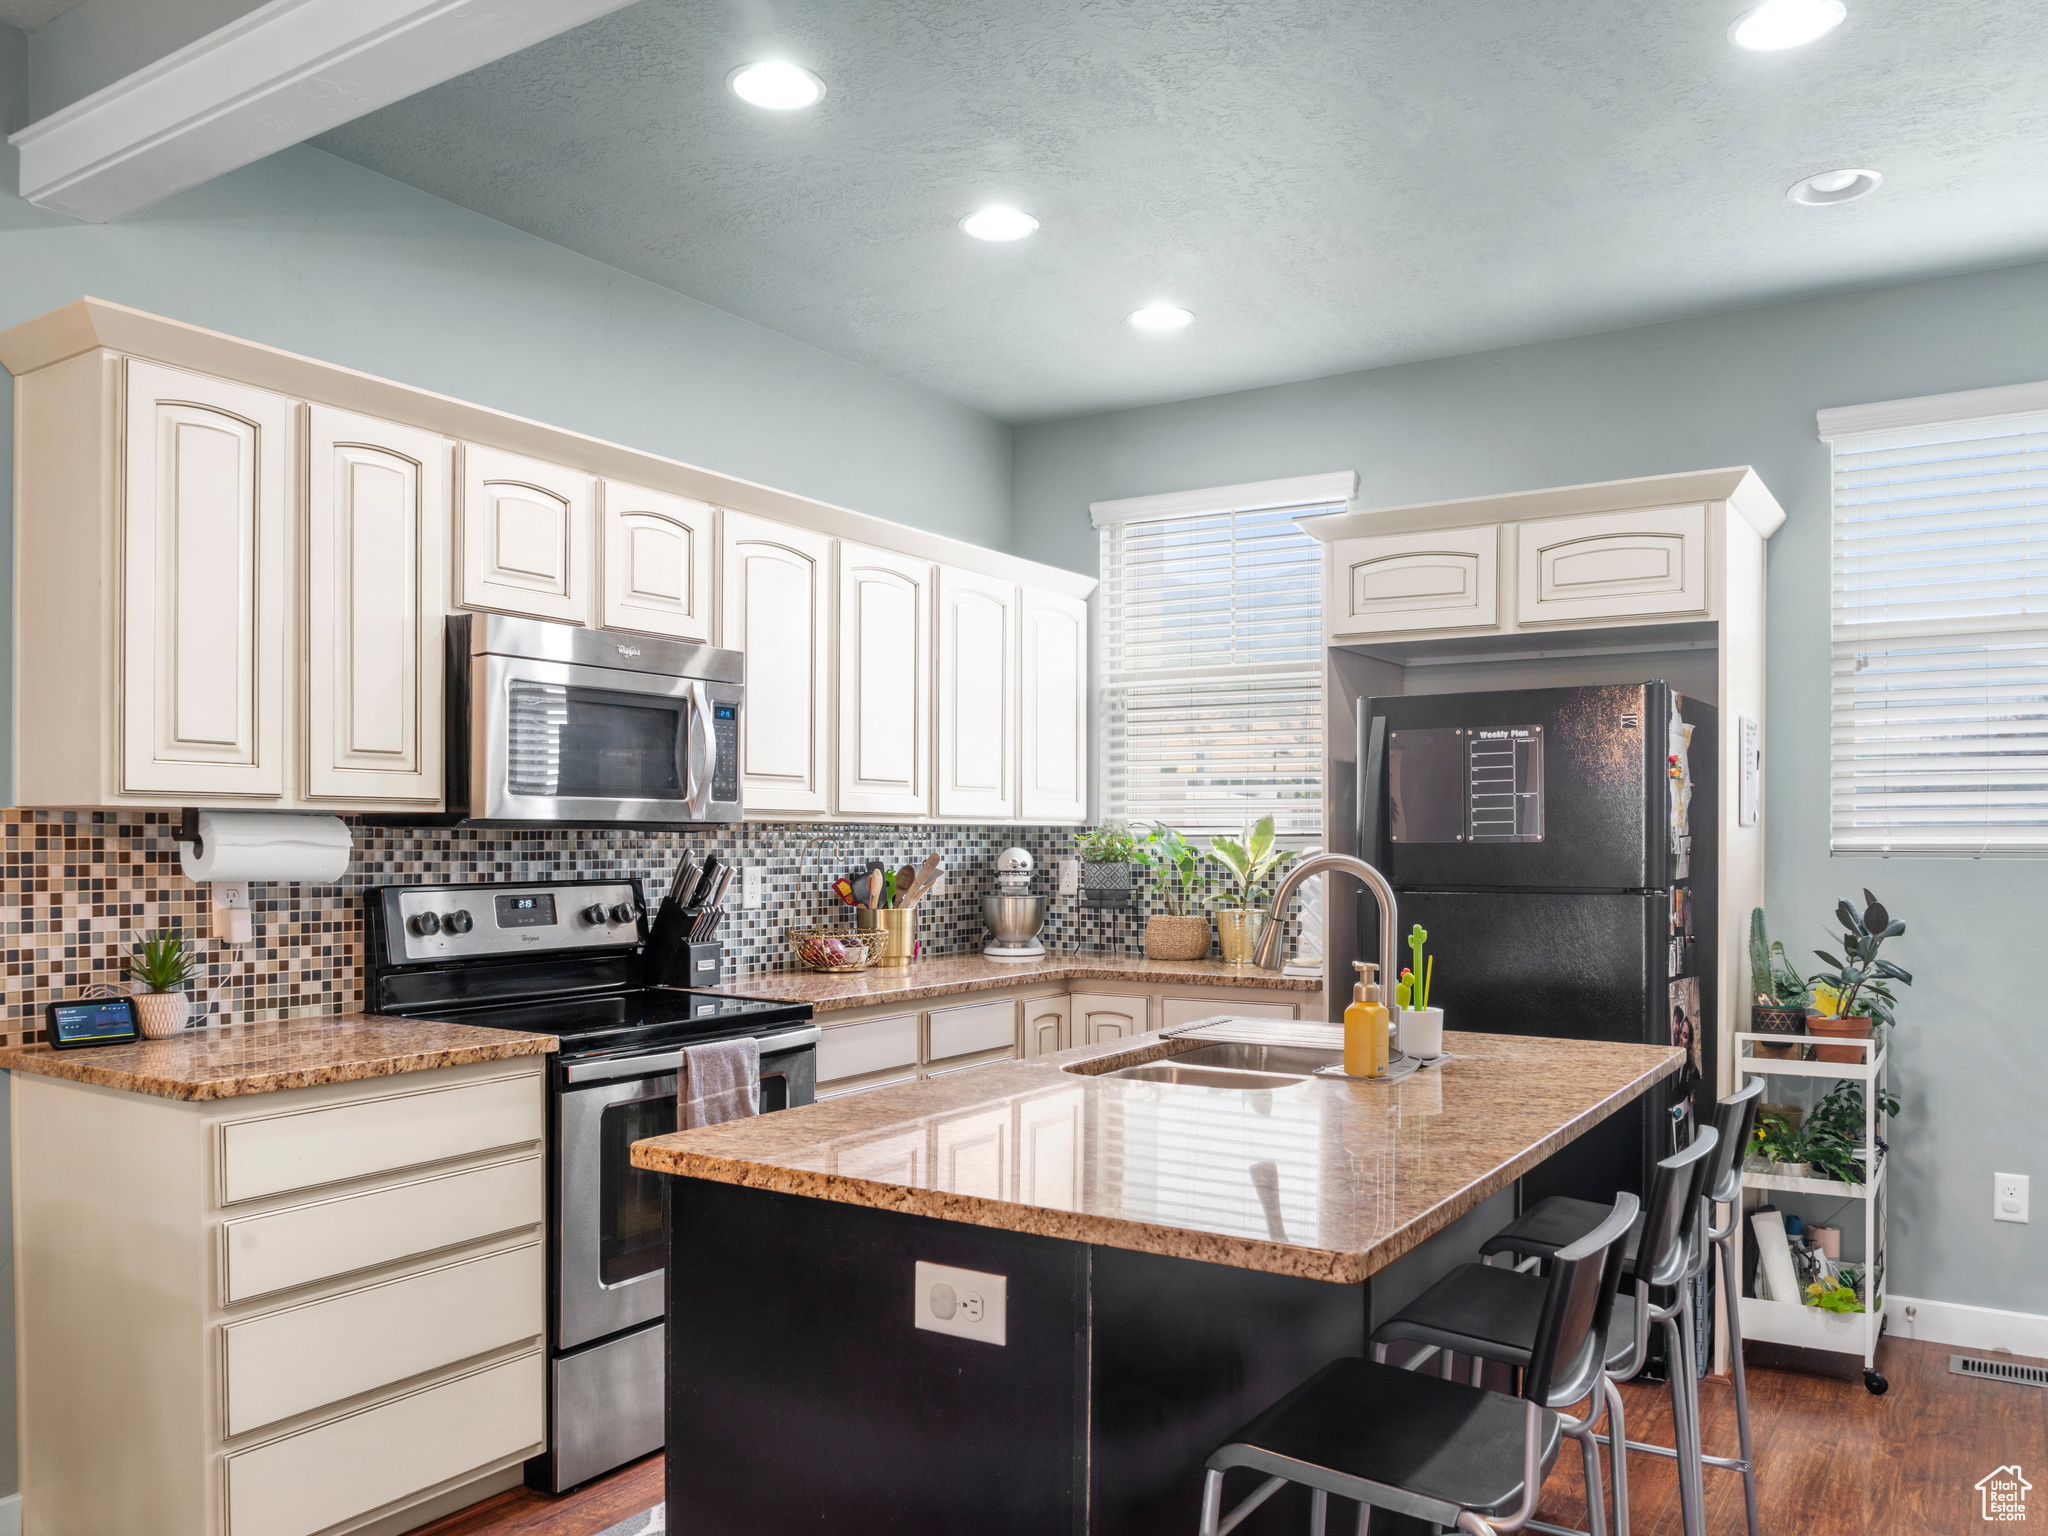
pixel 898 929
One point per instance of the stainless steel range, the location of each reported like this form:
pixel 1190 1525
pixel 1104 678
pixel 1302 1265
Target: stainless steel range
pixel 565 958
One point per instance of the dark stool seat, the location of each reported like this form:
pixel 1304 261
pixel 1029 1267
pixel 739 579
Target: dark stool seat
pixel 1554 1223
pixel 1396 1440
pixel 1493 1313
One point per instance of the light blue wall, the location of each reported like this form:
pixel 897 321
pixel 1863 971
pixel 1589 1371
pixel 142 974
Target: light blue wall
pixel 1733 389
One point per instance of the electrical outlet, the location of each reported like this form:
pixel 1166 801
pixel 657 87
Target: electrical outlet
pixel 1070 876
pixel 2009 1197
pixel 753 885
pixel 962 1302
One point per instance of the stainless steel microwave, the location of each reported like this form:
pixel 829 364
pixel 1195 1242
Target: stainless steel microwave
pixel 555 723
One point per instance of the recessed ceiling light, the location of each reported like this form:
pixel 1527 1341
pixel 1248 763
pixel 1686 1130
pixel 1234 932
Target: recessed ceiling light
pixel 999 223
pixel 1833 187
pixel 1786 24
pixel 775 85
pixel 1160 318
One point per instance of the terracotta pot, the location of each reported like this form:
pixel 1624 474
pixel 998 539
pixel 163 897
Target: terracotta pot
pixel 1177 938
pixel 1237 933
pixel 159 1015
pixel 1855 1027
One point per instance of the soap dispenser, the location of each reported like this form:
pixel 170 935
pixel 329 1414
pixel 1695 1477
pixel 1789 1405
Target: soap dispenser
pixel 1366 1025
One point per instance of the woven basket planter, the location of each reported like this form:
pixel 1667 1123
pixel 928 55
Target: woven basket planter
pixel 1177 938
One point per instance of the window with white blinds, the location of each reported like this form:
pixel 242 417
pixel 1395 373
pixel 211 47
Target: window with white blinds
pixel 1940 631
pixel 1212 672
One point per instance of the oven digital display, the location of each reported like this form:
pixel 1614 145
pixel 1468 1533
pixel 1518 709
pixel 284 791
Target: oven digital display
pixel 526 911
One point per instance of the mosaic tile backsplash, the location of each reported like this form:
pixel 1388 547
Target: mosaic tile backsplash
pixel 82 887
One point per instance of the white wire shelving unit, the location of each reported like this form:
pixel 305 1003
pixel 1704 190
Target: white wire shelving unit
pixel 1793 1322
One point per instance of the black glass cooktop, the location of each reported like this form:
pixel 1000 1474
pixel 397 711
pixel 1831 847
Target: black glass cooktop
pixel 615 1020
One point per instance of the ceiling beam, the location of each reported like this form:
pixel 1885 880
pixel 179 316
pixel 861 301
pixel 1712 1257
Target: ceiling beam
pixel 279 75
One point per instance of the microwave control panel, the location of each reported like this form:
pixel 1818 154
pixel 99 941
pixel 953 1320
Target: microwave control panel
pixel 725 759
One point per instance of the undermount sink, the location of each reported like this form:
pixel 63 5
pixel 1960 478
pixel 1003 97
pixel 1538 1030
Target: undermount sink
pixel 1228 1065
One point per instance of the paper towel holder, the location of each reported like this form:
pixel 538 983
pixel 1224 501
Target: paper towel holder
pixel 186 830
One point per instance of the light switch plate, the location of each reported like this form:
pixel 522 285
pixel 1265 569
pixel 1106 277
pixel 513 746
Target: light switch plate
pixel 962 1302
pixel 2009 1196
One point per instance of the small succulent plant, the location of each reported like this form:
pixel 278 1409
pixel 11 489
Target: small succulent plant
pixel 1772 977
pixel 163 961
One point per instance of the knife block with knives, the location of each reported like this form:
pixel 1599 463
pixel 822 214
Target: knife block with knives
pixel 683 949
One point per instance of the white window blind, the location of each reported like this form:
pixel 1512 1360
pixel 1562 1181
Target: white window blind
pixel 1212 672
pixel 1940 632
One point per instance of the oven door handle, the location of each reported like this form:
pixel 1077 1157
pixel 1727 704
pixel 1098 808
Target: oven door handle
pixel 668 1061
pixel 702 761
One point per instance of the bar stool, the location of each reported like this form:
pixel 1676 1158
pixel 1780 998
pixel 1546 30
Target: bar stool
pixel 1489 1313
pixel 1538 1232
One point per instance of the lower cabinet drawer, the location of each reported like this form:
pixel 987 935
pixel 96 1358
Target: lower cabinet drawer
pixel 275 1153
pixel 975 1027
pixel 873 1045
pixel 1176 1011
pixel 263 1254
pixel 320 1477
pixel 303 1358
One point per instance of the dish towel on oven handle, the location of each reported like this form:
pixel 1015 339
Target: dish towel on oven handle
pixel 718 1082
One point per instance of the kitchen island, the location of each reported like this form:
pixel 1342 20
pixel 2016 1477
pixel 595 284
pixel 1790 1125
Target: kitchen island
pixel 1172 1259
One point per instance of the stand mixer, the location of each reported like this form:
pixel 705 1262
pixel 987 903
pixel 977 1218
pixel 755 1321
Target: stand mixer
pixel 1013 914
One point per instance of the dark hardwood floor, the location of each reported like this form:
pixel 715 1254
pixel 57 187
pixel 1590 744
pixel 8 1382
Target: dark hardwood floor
pixel 1836 1461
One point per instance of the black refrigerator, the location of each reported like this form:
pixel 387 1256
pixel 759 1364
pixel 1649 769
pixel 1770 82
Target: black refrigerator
pixel 1546 840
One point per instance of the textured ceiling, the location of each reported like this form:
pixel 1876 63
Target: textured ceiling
pixel 1327 184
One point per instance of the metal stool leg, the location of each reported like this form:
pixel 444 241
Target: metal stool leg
pixel 1212 1502
pixel 1318 1512
pixel 1731 1298
pixel 1617 1453
pixel 1697 1468
pixel 1678 1366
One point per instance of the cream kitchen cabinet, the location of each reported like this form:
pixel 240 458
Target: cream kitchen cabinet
pixel 975 710
pixel 376 515
pixel 1099 1017
pixel 202 571
pixel 654 562
pixel 525 537
pixel 326 1307
pixel 1443 579
pixel 885 684
pixel 1048 1025
pixel 1613 565
pixel 778 609
pixel 1054 707
pixel 1176 1009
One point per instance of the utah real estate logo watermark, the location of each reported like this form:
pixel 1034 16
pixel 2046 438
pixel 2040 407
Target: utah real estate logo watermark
pixel 2005 1495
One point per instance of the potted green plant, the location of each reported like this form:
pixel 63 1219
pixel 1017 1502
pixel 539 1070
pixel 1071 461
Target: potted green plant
pixel 162 963
pixel 1780 1142
pixel 1107 854
pixel 1179 933
pixel 1832 1135
pixel 1859 980
pixel 1777 991
pixel 1239 922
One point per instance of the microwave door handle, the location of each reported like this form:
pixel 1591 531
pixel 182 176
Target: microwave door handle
pixel 700 762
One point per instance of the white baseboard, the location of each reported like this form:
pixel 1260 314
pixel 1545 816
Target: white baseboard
pixel 10 1515
pixel 1981 1328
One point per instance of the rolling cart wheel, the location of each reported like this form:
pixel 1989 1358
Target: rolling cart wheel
pixel 1875 1382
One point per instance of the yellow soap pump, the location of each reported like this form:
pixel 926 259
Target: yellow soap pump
pixel 1366 1026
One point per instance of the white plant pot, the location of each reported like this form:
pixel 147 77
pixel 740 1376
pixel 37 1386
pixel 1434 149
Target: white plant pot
pixel 159 1015
pixel 1422 1032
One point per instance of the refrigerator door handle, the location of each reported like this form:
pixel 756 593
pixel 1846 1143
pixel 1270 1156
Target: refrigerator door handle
pixel 1372 773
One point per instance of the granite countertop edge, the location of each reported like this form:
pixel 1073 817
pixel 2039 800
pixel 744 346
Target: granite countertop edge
pixel 179 1067
pixel 831 991
pixel 1304 1261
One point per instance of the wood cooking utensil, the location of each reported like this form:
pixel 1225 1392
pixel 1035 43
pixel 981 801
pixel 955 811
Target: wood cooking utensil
pixel 875 890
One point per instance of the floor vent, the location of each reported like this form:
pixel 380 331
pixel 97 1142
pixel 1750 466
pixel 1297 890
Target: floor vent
pixel 1998 1370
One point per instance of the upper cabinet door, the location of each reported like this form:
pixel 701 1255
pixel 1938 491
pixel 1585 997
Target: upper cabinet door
pixel 202 585
pixel 1054 707
pixel 976 708
pixel 1397 582
pixel 376 525
pixel 654 557
pixel 885 689
pixel 1613 565
pixel 777 609
pixel 524 537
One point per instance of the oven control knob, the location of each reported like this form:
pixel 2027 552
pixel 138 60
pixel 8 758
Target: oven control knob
pixel 624 912
pixel 458 922
pixel 594 916
pixel 426 923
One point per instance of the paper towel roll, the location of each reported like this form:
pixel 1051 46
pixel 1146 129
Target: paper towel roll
pixel 266 846
pixel 1776 1280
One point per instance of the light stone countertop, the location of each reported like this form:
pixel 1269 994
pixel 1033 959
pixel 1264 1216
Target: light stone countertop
pixel 1365 1171
pixel 226 1061
pixel 946 975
